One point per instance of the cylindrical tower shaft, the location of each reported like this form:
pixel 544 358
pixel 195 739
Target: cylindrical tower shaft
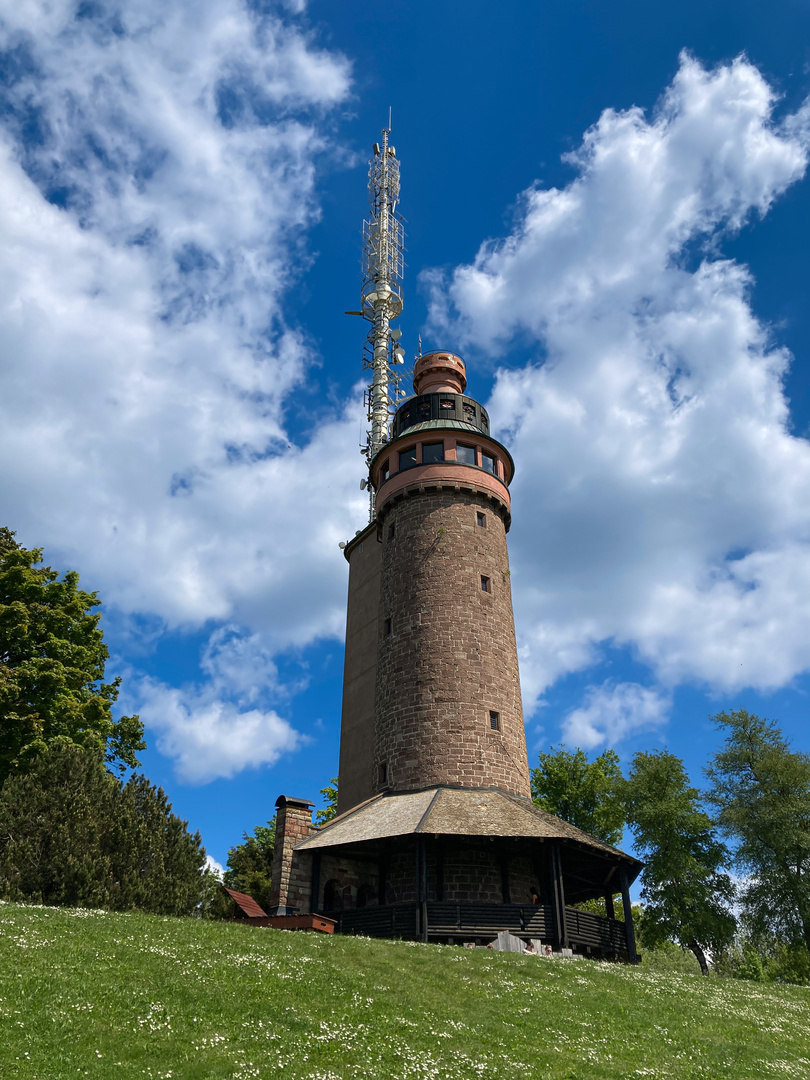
pixel 447 702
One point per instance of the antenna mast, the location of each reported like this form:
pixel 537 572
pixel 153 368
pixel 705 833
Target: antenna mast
pixel 381 295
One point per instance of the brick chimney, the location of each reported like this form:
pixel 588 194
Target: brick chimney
pixel 291 876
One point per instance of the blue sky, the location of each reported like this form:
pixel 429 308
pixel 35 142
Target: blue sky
pixel 607 215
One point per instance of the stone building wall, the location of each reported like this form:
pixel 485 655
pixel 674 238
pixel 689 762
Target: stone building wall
pixel 465 873
pixel 472 874
pixel 400 877
pixel 347 883
pixel 524 875
pixel 447 657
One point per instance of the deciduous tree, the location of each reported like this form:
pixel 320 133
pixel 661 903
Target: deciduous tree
pixel 580 791
pixel 761 789
pixel 250 863
pixel 330 798
pixel 52 657
pixel 685 892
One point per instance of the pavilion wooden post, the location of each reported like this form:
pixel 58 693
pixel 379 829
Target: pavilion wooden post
pixel 382 877
pixel 610 910
pixel 628 918
pixel 423 886
pixel 439 886
pixel 557 895
pixel 417 883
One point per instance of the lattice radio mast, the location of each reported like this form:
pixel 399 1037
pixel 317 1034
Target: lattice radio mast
pixel 381 296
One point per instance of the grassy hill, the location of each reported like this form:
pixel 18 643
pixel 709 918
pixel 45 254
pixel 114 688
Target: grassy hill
pixel 126 996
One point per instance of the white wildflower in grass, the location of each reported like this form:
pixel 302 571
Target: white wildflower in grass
pixel 155 1018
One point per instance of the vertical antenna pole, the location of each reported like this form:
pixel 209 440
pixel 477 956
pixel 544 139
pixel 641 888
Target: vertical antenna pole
pixel 381 294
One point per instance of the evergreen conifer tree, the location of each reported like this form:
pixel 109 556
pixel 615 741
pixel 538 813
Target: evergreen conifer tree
pixel 73 834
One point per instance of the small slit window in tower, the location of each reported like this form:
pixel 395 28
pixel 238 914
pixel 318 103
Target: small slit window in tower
pixel 387 627
pixel 407 458
pixel 383 773
pixel 495 721
pixel 432 452
pixel 465 454
pixel 488 463
pixel 481 519
pixel 391 531
pixel 486 584
pixel 385 471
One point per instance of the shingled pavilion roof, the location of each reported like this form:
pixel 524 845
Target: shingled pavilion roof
pixel 450 811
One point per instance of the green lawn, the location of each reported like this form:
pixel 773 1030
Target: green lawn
pixel 120 996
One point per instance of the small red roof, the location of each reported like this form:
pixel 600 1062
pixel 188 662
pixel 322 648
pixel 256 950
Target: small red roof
pixel 247 904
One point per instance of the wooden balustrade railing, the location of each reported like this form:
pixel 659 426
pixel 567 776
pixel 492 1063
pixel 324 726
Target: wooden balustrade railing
pixel 448 919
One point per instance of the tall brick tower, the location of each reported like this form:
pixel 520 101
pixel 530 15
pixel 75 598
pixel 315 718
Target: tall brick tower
pixel 447 704
pixel 436 836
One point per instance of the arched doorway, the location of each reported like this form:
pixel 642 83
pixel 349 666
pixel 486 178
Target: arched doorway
pixel 332 895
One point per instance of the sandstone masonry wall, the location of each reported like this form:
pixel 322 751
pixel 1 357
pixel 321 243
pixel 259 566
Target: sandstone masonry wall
pixel 347 883
pixel 447 657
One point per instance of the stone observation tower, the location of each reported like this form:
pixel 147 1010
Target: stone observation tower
pixel 436 836
pixel 440 679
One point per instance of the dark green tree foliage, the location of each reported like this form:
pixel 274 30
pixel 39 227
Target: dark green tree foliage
pixel 73 834
pixel 52 657
pixel 250 864
pixel 158 862
pixel 330 798
pixel 580 791
pixel 686 894
pixel 761 789
pixel 52 849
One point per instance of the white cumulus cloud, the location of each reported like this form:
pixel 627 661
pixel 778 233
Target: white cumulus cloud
pixel 209 737
pixel 158 165
pixel 223 723
pixel 215 868
pixel 661 501
pixel 613 711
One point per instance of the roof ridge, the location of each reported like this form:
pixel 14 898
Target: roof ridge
pixel 422 819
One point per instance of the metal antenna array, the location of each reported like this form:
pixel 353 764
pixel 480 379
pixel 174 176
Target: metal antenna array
pixel 381 296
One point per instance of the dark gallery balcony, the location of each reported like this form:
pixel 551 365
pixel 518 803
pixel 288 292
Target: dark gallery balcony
pixel 453 923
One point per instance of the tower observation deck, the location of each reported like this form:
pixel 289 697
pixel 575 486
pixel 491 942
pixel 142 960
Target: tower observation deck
pixel 436 836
